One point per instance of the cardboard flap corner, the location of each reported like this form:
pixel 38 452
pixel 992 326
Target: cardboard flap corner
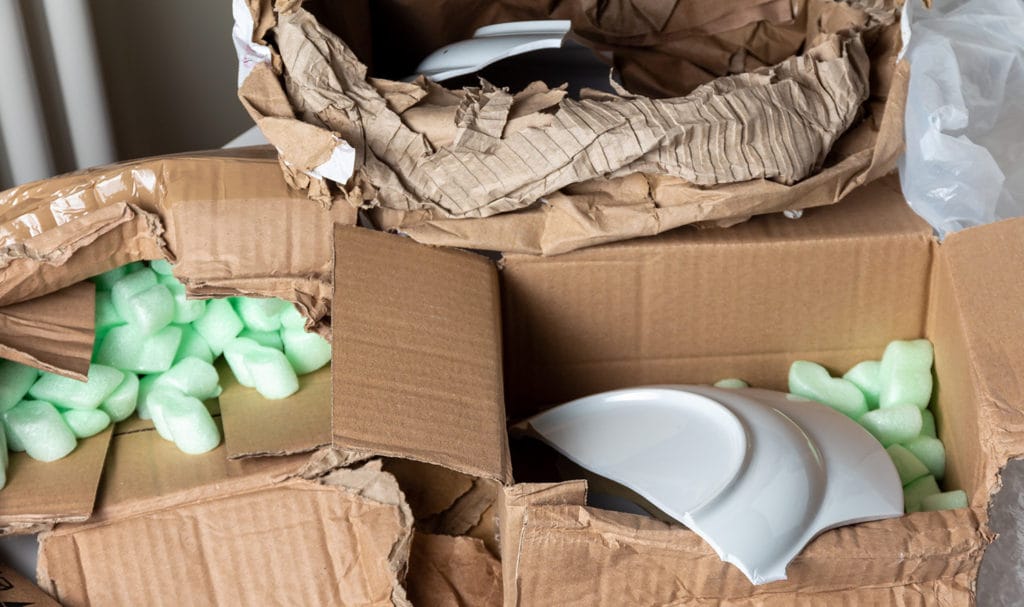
pixel 53 332
pixel 39 494
pixel 417 354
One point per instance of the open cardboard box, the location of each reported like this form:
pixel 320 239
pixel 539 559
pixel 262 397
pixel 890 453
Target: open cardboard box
pixel 430 353
pixel 226 218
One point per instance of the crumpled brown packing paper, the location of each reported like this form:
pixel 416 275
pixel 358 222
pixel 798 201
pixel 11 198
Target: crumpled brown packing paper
pixel 734 147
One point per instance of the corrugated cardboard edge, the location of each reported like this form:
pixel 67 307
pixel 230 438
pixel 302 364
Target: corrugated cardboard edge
pixel 490 169
pixel 205 212
pixel 16 591
pixel 54 332
pixel 609 210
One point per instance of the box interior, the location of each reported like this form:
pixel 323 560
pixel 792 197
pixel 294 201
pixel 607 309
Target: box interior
pixel 694 307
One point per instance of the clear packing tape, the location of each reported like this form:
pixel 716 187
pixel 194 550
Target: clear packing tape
pixel 965 112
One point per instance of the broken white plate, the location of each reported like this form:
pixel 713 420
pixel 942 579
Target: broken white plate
pixel 491 44
pixel 756 473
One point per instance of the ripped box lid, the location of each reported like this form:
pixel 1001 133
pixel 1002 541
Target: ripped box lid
pixel 752 109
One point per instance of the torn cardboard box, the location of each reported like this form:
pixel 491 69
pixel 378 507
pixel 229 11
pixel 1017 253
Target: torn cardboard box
pixel 325 550
pixel 226 218
pixel 433 162
pixel 746 302
pixel 431 348
pixel 170 525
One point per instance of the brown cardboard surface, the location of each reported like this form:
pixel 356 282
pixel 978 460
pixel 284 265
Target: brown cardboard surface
pixel 696 306
pixel 227 219
pixel 416 354
pixel 344 539
pixel 165 519
pixel 447 571
pixel 143 472
pixel 53 332
pixel 431 160
pixel 17 591
pixel 39 494
pixel 488 170
pixel 985 265
pixel 254 425
pixel 956 396
pixel 562 553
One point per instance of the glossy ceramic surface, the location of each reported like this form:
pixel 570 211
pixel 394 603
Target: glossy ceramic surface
pixel 756 473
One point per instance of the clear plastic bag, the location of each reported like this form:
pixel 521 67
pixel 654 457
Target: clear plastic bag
pixel 964 162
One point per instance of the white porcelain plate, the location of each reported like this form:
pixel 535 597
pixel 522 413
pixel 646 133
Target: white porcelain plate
pixel 756 473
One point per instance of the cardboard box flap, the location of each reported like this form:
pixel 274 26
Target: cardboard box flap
pixel 145 473
pixel 40 494
pixel 340 539
pixel 986 265
pixel 16 591
pixel 228 219
pixel 417 354
pixel 53 332
pixel 254 425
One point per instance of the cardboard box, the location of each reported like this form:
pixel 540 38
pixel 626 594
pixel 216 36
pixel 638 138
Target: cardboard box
pixel 317 524
pixel 226 218
pixel 807 105
pixel 433 347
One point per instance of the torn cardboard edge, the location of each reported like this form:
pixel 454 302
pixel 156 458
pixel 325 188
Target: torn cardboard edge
pixel 380 523
pixel 458 134
pixel 228 220
pixel 610 210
